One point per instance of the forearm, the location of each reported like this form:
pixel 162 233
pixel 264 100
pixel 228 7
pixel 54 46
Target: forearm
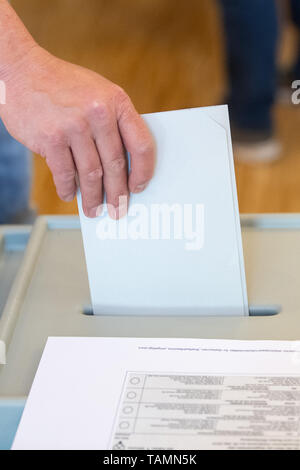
pixel 79 121
pixel 15 41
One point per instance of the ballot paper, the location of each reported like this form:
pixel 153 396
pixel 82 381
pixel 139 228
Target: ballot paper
pixel 179 250
pixel 138 393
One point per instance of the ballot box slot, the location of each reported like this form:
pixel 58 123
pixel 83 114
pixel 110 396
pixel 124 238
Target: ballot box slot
pixel 270 221
pixel 267 310
pixel 88 310
pixel 264 310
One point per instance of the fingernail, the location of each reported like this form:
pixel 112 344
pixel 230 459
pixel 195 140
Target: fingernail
pixel 95 211
pixel 122 210
pixel 140 187
pixel 117 212
pixel 112 211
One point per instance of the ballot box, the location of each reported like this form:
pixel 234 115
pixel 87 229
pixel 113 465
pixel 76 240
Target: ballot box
pixel 45 292
pixel 13 241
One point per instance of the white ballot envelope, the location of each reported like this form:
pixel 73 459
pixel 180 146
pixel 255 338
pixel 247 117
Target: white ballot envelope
pixel 179 249
pixel 146 393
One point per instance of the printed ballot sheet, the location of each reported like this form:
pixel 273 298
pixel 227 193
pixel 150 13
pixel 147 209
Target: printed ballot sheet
pixel 138 393
pixel 179 249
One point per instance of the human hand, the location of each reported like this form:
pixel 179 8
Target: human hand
pixel 82 124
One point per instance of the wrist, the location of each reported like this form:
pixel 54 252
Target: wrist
pixel 13 76
pixel 16 60
pixel 15 41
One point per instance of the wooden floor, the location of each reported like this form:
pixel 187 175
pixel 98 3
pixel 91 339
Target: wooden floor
pixel 165 58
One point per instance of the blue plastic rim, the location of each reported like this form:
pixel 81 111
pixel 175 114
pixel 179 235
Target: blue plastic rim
pixel 10 415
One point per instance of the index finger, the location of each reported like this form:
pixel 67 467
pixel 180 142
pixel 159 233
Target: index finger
pixel 139 143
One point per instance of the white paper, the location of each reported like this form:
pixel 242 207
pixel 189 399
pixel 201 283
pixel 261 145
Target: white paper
pixel 202 273
pixel 138 393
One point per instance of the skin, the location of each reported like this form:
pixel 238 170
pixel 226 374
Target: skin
pixel 79 121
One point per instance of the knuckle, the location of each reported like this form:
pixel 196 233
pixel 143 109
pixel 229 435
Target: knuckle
pixel 145 148
pixel 66 177
pixel 65 195
pixel 121 95
pixel 54 137
pixel 123 103
pixel 77 126
pixel 65 185
pixel 119 199
pixel 93 176
pixel 65 191
pixel 99 110
pixel 116 166
pixel 60 173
